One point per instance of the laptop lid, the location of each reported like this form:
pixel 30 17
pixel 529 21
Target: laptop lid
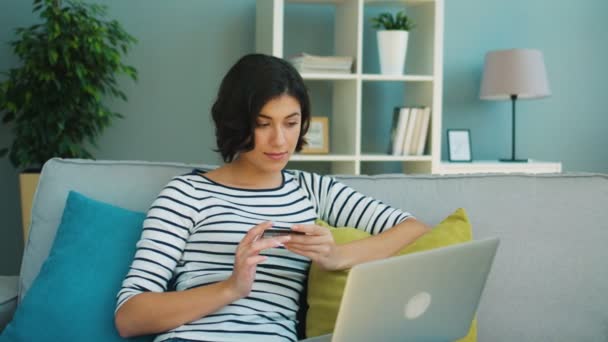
pixel 425 296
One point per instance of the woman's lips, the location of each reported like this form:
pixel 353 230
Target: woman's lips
pixel 276 156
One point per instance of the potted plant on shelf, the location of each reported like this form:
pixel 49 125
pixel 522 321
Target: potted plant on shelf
pixel 53 101
pixel 392 41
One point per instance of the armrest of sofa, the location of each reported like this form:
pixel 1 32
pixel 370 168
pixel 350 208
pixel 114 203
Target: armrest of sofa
pixel 8 299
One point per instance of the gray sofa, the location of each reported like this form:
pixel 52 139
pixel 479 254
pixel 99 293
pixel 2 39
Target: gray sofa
pixel 550 276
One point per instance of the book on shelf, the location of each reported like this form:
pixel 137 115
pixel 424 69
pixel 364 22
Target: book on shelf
pixel 402 116
pixel 424 131
pixel 307 63
pixel 411 151
pixel 393 132
pixel 409 133
pixel 409 130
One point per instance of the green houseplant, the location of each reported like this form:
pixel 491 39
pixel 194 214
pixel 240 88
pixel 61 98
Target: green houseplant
pixel 387 21
pixel 53 101
pixel 392 41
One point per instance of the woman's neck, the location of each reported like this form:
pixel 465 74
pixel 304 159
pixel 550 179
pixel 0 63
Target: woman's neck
pixel 238 174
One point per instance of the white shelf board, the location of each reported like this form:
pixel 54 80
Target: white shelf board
pixel 368 77
pixel 403 78
pixel 495 166
pixel 323 157
pixel 311 76
pixel 367 2
pixel 317 1
pixel 386 157
pixel 395 2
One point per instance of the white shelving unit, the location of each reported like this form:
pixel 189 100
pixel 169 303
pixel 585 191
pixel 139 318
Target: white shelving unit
pixel 422 82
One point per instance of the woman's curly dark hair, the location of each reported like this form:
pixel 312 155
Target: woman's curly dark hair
pixel 253 81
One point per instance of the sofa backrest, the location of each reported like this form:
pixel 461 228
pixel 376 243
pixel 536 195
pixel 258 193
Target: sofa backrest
pixel 549 280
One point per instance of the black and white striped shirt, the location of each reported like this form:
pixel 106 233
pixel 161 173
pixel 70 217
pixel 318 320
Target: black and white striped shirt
pixel 194 226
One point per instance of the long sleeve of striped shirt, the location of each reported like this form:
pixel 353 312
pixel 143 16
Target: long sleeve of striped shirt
pixel 165 231
pixel 341 206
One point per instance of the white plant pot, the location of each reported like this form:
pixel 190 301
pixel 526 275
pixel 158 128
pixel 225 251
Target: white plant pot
pixel 392 48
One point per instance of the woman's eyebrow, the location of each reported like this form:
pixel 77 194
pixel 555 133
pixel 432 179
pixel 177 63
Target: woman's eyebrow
pixel 287 117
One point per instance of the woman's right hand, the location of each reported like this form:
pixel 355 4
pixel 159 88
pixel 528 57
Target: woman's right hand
pixel 247 257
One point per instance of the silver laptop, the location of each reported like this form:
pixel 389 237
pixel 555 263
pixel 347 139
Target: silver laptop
pixel 425 296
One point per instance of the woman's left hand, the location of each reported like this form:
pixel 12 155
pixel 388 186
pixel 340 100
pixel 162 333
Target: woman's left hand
pixel 318 244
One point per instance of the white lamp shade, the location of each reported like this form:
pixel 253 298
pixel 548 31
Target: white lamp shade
pixel 518 72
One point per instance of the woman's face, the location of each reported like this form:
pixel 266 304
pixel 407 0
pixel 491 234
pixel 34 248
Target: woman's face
pixel 276 134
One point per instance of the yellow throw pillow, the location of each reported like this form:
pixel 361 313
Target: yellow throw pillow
pixel 325 287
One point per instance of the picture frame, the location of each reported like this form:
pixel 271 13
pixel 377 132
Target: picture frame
pixel 317 136
pixel 459 145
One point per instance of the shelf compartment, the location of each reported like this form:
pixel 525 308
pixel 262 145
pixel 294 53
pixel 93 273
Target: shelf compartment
pixel 420 58
pixel 333 99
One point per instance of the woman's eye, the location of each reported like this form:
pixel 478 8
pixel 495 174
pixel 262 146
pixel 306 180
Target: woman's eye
pixel 262 124
pixel 291 124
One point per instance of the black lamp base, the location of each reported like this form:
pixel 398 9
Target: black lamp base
pixel 514 160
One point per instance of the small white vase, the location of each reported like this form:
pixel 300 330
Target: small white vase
pixel 392 48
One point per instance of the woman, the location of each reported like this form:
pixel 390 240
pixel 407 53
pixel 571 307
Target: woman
pixel 203 270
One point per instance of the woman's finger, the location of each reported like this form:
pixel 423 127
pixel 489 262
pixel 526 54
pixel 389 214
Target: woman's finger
pixel 302 252
pixel 309 239
pixel 319 249
pixel 310 229
pixel 255 232
pixel 262 244
pixel 256 259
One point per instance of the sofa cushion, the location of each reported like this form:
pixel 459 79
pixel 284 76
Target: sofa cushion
pixel 74 296
pixel 128 184
pixel 325 287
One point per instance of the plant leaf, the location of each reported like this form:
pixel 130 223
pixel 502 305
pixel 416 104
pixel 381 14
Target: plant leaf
pixel 388 21
pixel 53 56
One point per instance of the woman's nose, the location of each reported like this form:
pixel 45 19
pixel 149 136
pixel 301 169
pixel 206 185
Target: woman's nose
pixel 278 137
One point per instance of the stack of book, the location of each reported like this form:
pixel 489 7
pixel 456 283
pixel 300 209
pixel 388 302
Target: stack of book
pixel 409 131
pixel 306 63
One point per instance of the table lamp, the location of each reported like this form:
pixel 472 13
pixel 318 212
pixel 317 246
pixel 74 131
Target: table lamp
pixel 514 74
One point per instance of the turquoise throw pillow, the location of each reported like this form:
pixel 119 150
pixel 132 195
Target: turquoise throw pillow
pixel 74 296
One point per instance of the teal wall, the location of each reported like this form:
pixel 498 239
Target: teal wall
pixel 570 125
pixel 186 46
pixel 12 14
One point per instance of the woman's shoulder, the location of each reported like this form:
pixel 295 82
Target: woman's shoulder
pixel 311 179
pixel 189 180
